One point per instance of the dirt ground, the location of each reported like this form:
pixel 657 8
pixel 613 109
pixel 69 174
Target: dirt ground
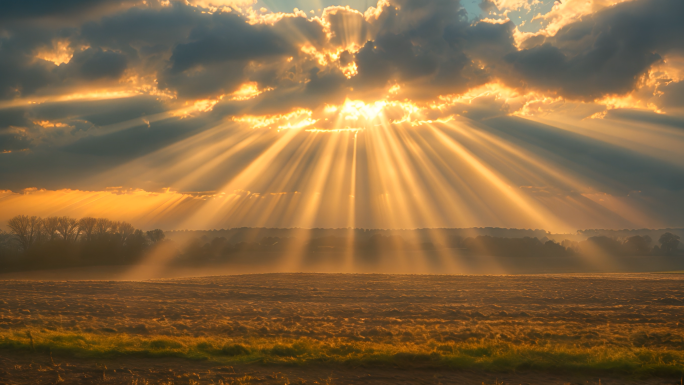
pixel 582 310
pixel 41 369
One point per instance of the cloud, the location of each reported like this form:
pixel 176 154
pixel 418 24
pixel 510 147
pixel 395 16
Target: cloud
pixel 603 54
pixel 425 47
pixel 430 48
pixel 145 29
pixel 11 141
pixel 487 5
pixel 673 95
pixel 29 9
pixel 347 27
pixel 88 86
pixel 21 74
pixel 630 115
pixel 487 42
pixel 13 117
pixel 227 39
pixel 98 112
pixel 95 63
pixel 619 169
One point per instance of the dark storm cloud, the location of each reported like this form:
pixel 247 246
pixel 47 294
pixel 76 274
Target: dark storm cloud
pixel 22 78
pixel 98 112
pixel 136 141
pixel 212 80
pixel 94 64
pixel 153 30
pixel 348 27
pixel 422 44
pixel 299 30
pixel 12 141
pixel 26 9
pixel 628 170
pixel 66 165
pixel 673 95
pixel 389 54
pixel 481 108
pixel 224 52
pixel 410 44
pixel 605 53
pixel 631 115
pixel 13 117
pixel 322 87
pixel 487 5
pixel 485 41
pixel 430 48
pixel 68 121
pixel 20 73
pixel 227 38
pixel 215 58
pixel 12 135
pixel 194 54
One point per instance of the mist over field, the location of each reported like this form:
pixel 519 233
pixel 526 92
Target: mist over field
pixel 100 248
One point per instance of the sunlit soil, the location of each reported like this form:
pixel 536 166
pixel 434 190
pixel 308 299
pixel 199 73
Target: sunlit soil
pixel 629 327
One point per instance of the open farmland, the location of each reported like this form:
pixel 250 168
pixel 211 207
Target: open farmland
pixel 341 328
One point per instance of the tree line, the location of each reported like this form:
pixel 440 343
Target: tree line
pixel 40 243
pixel 206 250
pixel 35 242
pixel 636 245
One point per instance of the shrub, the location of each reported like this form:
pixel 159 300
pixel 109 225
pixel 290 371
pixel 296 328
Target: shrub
pixel 287 351
pixel 165 344
pixel 205 346
pixel 234 350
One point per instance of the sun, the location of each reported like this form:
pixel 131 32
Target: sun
pixel 357 109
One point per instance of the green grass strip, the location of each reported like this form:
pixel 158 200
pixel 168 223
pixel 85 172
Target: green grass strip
pixel 484 355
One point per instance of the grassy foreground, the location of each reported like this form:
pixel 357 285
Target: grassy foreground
pixel 486 356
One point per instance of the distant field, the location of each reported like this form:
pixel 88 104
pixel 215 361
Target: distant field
pixel 255 328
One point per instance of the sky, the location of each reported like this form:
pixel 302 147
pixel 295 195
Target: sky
pixel 201 114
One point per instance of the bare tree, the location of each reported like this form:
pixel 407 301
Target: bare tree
pixel 156 235
pixel 669 242
pixel 68 228
pixel 125 230
pixel 51 227
pixel 7 241
pixel 87 227
pixel 114 227
pixel 26 228
pixel 638 245
pixel 102 226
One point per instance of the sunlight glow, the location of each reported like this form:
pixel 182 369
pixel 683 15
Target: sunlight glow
pixel 60 52
pixel 248 91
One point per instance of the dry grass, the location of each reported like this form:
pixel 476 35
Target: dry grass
pixel 479 354
pixel 629 325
